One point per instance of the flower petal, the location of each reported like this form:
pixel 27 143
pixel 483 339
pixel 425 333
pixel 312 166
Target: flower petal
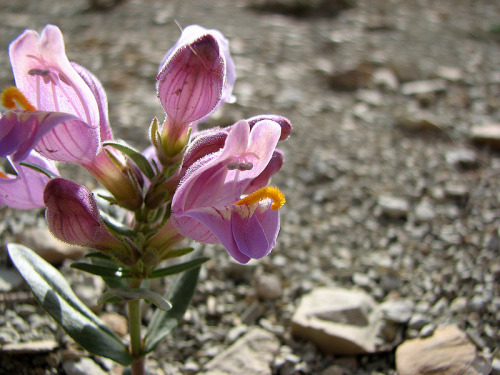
pixel 25 191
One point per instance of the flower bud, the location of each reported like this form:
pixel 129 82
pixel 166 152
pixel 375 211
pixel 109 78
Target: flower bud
pixel 73 217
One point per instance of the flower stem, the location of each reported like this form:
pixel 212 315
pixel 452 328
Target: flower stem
pixel 134 322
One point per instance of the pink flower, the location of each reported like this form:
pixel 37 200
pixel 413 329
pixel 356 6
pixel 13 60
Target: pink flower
pixel 208 204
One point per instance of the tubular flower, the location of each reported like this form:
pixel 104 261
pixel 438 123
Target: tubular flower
pixel 50 83
pixel 196 76
pixel 208 204
pixel 25 189
pixel 73 217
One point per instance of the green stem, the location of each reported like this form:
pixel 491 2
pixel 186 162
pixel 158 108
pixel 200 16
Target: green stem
pixel 134 319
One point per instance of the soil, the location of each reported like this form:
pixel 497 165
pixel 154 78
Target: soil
pixel 340 71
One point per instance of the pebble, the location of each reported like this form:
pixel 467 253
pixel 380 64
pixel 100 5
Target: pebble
pixel 10 279
pixel 268 286
pixel 84 366
pixel 423 87
pixel 392 207
pixel 486 135
pixel 398 311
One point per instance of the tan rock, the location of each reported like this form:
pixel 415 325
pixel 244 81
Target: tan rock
pixel 446 352
pixel 48 247
pixel 488 135
pixel 251 354
pixel 340 321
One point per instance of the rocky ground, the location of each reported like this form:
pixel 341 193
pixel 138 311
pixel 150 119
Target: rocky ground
pixel 391 177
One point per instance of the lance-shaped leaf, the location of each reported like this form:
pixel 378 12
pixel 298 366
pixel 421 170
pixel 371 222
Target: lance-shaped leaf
pixel 179 294
pixel 103 271
pixel 54 294
pixel 177 268
pixel 139 159
pixel 132 294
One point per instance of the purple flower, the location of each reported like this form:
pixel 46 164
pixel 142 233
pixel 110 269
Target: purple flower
pixel 73 217
pixel 196 76
pixel 25 191
pixel 50 83
pixel 207 205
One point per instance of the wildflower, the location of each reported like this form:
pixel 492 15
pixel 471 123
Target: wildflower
pixel 208 204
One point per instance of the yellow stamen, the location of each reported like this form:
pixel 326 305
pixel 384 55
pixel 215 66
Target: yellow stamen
pixel 11 95
pixel 268 192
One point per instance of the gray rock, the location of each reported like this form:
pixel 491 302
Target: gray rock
pixel 398 311
pixel 418 321
pixel 423 87
pixel 252 354
pixel 449 73
pixel 339 321
pixel 10 279
pixel 386 78
pixel 84 366
pixel 447 352
pixel 392 207
pixel 268 286
pixel 488 135
pixel 424 211
pixel 462 158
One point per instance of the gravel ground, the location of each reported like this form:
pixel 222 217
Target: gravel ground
pixel 386 189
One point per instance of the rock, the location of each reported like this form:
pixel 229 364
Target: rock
pixel 118 323
pixel 486 135
pixel 397 311
pixel 352 79
pixel 84 366
pixel 268 286
pixel 462 158
pixel 392 207
pixel 386 78
pixel 10 279
pixel 423 87
pixel 49 247
pixel 447 352
pixel 424 211
pixel 449 73
pixel 417 120
pixel 339 321
pixel 32 347
pixel 252 354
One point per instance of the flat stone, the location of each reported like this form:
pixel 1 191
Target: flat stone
pixel 423 87
pixel 487 135
pixel 339 321
pixel 32 347
pixel 417 121
pixel 84 366
pixel 392 207
pixel 252 354
pixel 398 311
pixel 446 352
pixel 268 286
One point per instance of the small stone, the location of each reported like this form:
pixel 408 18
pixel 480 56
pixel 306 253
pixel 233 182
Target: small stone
pixel 268 286
pixel 418 321
pixel 10 280
pixel 447 352
pixel 32 347
pixel 423 87
pixel 449 73
pixel 424 211
pixel 486 135
pixel 417 121
pixel 462 158
pixel 50 248
pixel 118 323
pixel 397 311
pixel 252 354
pixel 386 78
pixel 392 207
pixel 352 79
pixel 84 366
pixel 458 305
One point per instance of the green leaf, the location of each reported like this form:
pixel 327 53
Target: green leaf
pixel 180 294
pixel 38 168
pixel 131 294
pixel 178 268
pixel 138 158
pixel 177 253
pixel 103 271
pixel 54 294
pixel 116 227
